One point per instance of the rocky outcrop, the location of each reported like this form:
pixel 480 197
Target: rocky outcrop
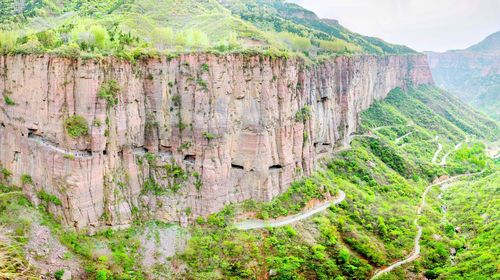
pixel 184 136
pixel 330 21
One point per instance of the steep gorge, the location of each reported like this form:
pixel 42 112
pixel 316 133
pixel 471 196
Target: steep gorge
pixel 187 135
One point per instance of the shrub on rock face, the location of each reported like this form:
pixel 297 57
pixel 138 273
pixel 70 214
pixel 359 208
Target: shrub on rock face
pixel 76 126
pixel 200 221
pixel 109 91
pixel 58 274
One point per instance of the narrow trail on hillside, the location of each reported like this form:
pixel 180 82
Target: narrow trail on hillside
pixel 410 123
pixel 11 193
pixel 440 147
pixel 256 224
pixel 416 251
pixel 457 146
pixel 399 139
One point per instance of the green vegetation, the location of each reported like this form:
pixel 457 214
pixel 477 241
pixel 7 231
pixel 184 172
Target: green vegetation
pixel 49 198
pixel 208 135
pixel 141 29
pixel 109 91
pixel 297 195
pixel 475 208
pixel 76 126
pixel 13 233
pixel 374 226
pixel 26 179
pixel 8 101
pixel 303 114
pixel 58 274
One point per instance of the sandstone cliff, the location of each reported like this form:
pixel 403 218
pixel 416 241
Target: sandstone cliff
pixel 186 135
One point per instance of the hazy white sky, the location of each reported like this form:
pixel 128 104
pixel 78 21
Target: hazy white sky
pixel 435 25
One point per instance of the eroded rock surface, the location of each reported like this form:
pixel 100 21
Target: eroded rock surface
pixel 188 135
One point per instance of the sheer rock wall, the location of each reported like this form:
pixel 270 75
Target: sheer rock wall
pixel 214 129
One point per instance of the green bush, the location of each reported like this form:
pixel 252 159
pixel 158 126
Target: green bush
pixel 208 135
pixel 76 126
pixel 26 179
pixel 109 90
pixel 431 274
pixel 303 114
pixel 59 274
pixel 200 220
pixel 8 101
pixel 68 51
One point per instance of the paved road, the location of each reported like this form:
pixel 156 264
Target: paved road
pixel 440 147
pixel 416 251
pixel 399 139
pixel 443 161
pixel 256 224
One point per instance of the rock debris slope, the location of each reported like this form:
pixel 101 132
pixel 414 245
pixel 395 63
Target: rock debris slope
pixel 184 136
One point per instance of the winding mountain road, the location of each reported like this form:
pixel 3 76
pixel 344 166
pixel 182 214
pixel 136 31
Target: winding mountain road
pixel 256 224
pixel 399 139
pixel 416 251
pixel 443 161
pixel 440 147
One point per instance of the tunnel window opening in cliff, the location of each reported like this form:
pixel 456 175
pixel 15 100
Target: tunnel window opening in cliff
pixel 31 131
pixel 317 144
pixel 190 158
pixel 275 167
pixel 235 166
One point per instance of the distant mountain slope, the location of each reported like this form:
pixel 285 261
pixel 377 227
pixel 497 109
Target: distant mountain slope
pixel 472 74
pixel 433 109
pixel 489 45
pixel 120 26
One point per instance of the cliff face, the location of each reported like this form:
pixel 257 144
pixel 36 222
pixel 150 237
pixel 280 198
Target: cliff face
pixel 186 135
pixel 473 77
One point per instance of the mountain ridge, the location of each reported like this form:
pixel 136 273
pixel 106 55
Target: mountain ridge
pixel 472 74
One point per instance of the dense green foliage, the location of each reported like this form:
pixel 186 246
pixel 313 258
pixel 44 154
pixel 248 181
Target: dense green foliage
pixel 76 126
pixel 475 208
pixel 135 29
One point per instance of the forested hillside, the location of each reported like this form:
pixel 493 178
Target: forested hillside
pixel 133 29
